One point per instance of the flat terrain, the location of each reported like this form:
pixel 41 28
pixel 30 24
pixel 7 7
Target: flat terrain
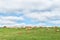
pixel 33 34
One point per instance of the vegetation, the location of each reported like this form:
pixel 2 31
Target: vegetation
pixel 30 34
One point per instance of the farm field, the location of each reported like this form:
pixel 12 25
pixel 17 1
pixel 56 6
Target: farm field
pixel 32 34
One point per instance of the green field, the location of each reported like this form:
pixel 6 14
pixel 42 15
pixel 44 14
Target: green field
pixel 33 34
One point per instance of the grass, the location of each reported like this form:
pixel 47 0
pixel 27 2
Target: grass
pixel 33 34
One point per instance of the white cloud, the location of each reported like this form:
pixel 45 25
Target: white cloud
pixel 11 5
pixel 11 18
pixel 6 22
pixel 56 22
pixel 13 25
pixel 37 4
pixel 51 10
pixel 52 17
pixel 43 16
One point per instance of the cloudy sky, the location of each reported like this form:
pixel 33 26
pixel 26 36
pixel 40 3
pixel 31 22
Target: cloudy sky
pixel 30 12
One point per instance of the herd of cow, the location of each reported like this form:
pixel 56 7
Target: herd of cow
pixel 30 27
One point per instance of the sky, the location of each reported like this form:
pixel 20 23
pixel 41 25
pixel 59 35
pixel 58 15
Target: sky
pixel 29 12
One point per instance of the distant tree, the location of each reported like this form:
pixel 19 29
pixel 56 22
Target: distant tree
pixel 4 26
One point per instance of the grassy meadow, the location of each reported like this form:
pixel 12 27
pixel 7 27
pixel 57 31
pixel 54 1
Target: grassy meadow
pixel 29 34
